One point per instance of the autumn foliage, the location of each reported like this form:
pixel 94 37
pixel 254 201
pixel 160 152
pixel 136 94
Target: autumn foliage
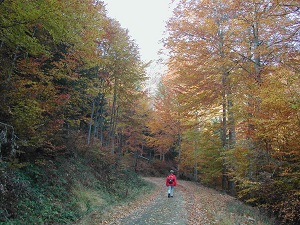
pixel 234 76
pixel 65 66
pixel 226 111
pixel 67 72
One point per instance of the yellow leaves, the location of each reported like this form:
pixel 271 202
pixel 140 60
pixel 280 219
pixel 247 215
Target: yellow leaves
pixel 164 122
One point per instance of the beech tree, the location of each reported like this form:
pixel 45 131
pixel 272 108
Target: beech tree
pixel 199 30
pixel 124 73
pixel 236 61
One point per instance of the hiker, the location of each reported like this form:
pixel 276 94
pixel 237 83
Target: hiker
pixel 171 183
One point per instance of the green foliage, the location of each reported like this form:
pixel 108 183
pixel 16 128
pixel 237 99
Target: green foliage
pixel 56 58
pixel 16 20
pixel 63 190
pixel 201 152
pixel 12 189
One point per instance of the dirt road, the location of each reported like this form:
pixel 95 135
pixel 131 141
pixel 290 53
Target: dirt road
pixel 192 204
pixel 161 209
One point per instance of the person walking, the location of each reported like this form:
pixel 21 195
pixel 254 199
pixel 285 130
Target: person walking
pixel 171 182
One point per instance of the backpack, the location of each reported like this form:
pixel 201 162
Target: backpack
pixel 170 179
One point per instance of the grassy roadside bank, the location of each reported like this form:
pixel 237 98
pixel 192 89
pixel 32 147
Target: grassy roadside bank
pixel 65 189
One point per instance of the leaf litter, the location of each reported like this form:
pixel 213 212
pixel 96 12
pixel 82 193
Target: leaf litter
pixel 192 204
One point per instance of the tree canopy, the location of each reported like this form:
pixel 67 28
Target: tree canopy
pixel 234 73
pixel 65 66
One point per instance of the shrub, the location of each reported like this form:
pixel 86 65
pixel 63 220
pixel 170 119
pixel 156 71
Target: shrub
pixel 12 188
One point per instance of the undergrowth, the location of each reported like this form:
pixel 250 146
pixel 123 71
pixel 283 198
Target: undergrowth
pixel 245 214
pixel 64 189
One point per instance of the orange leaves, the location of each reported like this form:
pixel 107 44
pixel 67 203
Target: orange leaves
pixel 237 61
pixel 164 122
pixel 62 98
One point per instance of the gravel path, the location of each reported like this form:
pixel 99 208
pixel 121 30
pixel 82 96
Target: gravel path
pixel 162 210
pixel 192 204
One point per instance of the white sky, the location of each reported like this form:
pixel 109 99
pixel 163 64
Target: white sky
pixel 145 21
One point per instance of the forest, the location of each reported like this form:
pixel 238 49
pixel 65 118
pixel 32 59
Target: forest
pixel 75 113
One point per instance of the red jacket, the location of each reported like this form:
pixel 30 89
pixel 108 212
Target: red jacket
pixel 173 177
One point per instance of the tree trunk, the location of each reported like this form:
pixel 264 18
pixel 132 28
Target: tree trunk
pixel 179 155
pixel 254 101
pixel 136 156
pixel 91 123
pixel 113 119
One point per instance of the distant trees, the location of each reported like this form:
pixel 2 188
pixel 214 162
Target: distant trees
pixel 164 122
pixel 234 75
